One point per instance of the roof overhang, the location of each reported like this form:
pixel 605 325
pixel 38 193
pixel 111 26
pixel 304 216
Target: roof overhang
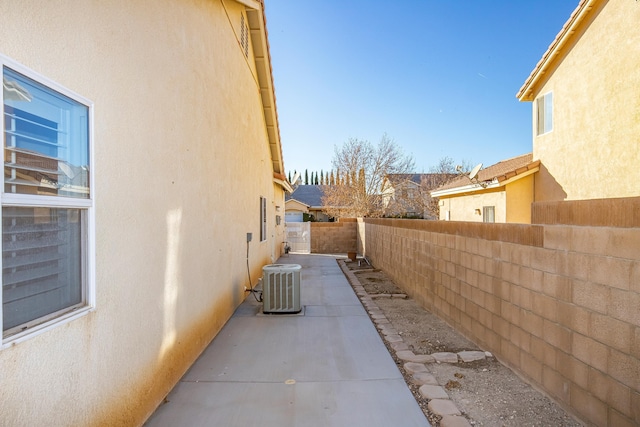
pixel 495 183
pixel 262 57
pixel 466 189
pixel 282 181
pixel 557 49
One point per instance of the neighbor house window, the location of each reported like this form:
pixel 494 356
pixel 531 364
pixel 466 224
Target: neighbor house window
pixel 46 203
pixel 489 214
pixel 544 113
pixel 263 219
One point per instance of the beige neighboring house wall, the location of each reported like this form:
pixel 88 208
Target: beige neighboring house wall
pixel 519 196
pixel 591 69
pixel 507 187
pixel 470 208
pixel 182 104
pixel 295 209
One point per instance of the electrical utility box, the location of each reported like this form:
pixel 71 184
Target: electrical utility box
pixel 281 288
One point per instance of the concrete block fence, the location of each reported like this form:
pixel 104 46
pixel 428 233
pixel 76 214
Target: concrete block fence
pixel 559 304
pixel 334 237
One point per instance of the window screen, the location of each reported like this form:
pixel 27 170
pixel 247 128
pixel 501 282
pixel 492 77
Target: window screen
pixel 45 202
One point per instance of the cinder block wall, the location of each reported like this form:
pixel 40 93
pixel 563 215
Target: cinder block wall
pixel 559 304
pixel 334 237
pixel 622 212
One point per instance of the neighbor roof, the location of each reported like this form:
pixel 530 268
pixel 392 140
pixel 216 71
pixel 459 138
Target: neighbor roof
pixel 556 50
pixel 310 195
pixel 495 175
pixel 431 179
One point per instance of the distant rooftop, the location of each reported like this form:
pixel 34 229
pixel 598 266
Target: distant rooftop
pixel 431 180
pixel 310 195
pixel 502 170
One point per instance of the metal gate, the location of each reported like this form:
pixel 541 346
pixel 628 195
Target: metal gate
pixel 299 236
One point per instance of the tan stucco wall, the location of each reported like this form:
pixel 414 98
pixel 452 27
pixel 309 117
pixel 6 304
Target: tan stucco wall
pixel 296 206
pixel 519 195
pixel 181 159
pixel 594 148
pixel 463 208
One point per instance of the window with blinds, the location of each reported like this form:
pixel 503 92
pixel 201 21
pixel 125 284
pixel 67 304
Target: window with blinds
pixel 489 214
pixel 46 200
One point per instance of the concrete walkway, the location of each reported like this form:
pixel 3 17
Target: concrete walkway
pixel 324 367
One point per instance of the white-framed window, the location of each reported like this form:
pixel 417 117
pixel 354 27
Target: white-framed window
pixel 489 214
pixel 46 203
pixel 263 219
pixel 544 114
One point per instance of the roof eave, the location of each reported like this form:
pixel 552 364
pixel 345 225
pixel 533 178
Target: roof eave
pixel 555 50
pixel 262 57
pixel 282 181
pixel 497 182
pixel 471 188
pixel 297 201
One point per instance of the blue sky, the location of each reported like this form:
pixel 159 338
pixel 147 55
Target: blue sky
pixel 438 76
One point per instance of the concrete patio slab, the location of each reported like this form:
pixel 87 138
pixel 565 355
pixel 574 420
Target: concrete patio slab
pixel 326 367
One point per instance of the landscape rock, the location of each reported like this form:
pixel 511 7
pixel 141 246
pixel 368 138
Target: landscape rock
pixel 413 367
pixel 393 338
pixel 454 421
pixel 470 356
pixel 433 392
pixel 410 356
pixel 443 407
pixel 399 346
pixel 445 357
pixel 422 378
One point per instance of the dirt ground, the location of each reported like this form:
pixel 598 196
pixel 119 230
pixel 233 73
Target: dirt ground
pixel 486 392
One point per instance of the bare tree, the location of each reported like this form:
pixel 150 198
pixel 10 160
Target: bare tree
pixel 361 170
pixel 444 172
pixel 402 195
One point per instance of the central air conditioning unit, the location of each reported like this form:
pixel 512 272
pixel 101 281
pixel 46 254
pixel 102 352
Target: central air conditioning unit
pixel 281 288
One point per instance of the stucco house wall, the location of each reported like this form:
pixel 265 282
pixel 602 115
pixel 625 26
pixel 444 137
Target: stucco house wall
pixel 469 208
pixel 592 72
pixel 519 195
pixel 177 113
pixel 294 210
pixel 506 185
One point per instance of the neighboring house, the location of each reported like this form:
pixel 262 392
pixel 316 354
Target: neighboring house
pixel 585 99
pixel 143 175
pixel 407 195
pixel 305 199
pixel 500 193
pixel 586 105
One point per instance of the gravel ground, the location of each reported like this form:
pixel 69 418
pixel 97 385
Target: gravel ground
pixel 485 391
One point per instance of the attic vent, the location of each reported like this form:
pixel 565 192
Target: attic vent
pixel 244 35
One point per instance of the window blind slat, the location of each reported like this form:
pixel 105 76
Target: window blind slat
pixel 23 277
